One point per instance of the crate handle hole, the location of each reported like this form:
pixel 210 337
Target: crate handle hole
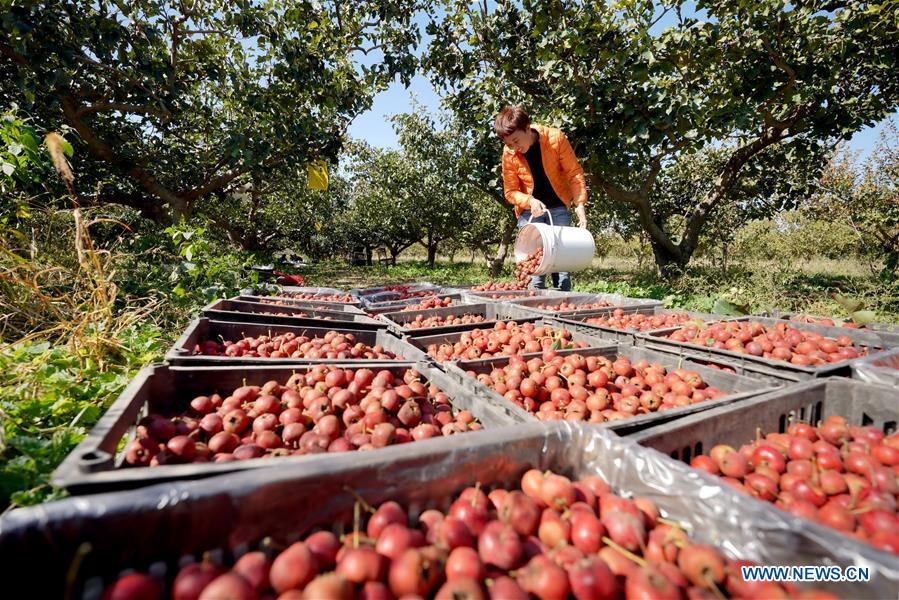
pixel 687 455
pixel 889 427
pixel 782 423
pixel 819 410
pixel 697 449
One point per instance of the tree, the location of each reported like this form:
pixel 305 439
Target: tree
pixel 385 209
pixel 178 100
pixel 866 196
pixel 279 213
pixel 632 98
pixel 466 161
pixel 768 185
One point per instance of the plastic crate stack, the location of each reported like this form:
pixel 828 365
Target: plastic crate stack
pixel 419 351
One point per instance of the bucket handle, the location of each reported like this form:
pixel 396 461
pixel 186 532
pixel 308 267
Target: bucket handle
pixel 531 218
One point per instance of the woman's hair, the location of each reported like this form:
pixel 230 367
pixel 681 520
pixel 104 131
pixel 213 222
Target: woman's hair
pixel 511 119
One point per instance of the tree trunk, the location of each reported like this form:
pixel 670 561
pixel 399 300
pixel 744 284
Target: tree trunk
pixel 394 253
pixel 669 265
pixel 432 254
pixel 368 256
pixel 496 262
pixel 724 258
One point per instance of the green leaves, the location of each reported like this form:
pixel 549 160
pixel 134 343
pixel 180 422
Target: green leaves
pixel 204 91
pixel 726 307
pixel 49 399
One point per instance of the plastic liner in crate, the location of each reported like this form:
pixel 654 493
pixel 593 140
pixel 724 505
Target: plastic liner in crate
pixel 811 401
pixel 748 364
pixel 316 294
pixel 740 388
pixel 421 342
pixel 394 306
pixel 152 529
pixel 881 368
pixel 578 320
pixel 202 329
pixel 254 312
pixel 585 300
pixel 95 465
pixel 398 321
pixel 307 304
pixel 884 328
pixel 415 286
pixel 395 292
pixel 503 295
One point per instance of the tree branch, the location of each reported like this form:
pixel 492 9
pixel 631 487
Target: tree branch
pixel 163 114
pixel 146 180
pixel 17 58
pixel 641 202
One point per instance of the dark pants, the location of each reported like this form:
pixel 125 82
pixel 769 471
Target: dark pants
pixel 561 216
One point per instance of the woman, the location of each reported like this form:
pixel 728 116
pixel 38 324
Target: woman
pixel 541 177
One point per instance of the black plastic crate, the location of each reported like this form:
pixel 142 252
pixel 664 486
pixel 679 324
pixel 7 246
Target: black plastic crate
pixel 740 388
pixel 397 321
pixel 782 369
pixel 254 312
pixel 399 305
pixel 584 299
pixel 415 286
pixel 158 529
pixel 421 342
pixel 94 465
pixel 383 295
pixel 883 328
pixel 578 320
pixel 284 291
pixel 504 295
pixel 810 401
pixel 304 304
pixel 202 329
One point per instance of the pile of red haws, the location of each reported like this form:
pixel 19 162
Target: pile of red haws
pixel 553 539
pixel 844 477
pixel 333 345
pixel 327 409
pixel 342 298
pixel 779 342
pixel 528 266
pixel 594 388
pixel 641 322
pixel 421 322
pixel 500 286
pixel 505 339
pixel 428 303
pixel 568 306
pixel 290 303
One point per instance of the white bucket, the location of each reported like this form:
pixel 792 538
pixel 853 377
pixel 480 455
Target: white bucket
pixel 565 249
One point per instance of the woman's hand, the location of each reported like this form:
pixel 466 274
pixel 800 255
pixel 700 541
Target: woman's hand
pixel 537 207
pixel 581 211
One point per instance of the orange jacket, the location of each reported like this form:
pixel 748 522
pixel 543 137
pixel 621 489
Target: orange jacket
pixel 562 169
